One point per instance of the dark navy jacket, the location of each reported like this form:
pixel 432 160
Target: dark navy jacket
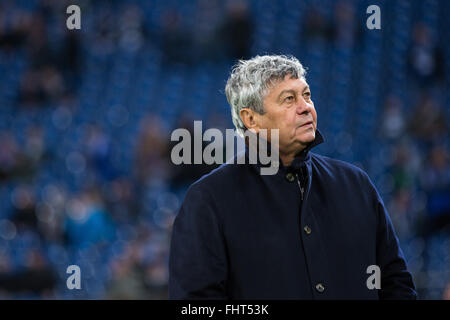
pixel 243 235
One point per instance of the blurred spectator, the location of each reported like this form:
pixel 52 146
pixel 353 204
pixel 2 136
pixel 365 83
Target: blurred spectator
pixel 87 222
pixel 400 208
pixel 32 92
pixel 132 32
pixel 425 57
pixel 24 201
pixel 22 162
pixel 435 180
pixel 237 30
pixel 446 294
pixel 152 150
pixel 70 59
pixel 127 276
pixel 98 152
pixel 5 269
pixel 14 163
pixel 37 279
pixel 392 121
pixel 156 278
pixel 427 120
pixel 404 167
pixel 38 46
pixel 122 200
pixel 35 148
pixel 347 30
pixel 139 272
pixel 13 29
pixel 317 27
pixel 436 173
pixel 206 25
pixel 105 32
pixel 176 40
pixel 41 86
pixel 10 155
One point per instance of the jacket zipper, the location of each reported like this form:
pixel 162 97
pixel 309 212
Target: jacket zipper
pixel 302 190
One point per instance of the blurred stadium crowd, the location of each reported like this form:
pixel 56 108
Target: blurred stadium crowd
pixel 86 116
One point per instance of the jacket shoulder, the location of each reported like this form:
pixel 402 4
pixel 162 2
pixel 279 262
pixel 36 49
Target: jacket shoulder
pixel 346 174
pixel 339 167
pixel 221 177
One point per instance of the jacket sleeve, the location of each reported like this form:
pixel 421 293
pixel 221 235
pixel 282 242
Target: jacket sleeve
pixel 396 281
pixel 197 262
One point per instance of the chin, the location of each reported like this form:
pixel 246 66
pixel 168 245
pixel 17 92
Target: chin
pixel 307 137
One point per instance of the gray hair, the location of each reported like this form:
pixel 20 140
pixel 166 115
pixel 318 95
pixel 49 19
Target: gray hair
pixel 250 80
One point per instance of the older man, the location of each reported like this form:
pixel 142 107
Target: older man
pixel 317 229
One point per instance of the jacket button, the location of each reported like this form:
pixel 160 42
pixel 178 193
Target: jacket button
pixel 307 230
pixel 290 177
pixel 320 287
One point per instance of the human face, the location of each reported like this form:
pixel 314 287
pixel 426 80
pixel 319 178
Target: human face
pixel 289 108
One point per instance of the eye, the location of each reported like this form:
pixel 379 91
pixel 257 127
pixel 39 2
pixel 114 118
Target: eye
pixel 289 99
pixel 307 95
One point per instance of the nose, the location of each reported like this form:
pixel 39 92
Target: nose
pixel 303 107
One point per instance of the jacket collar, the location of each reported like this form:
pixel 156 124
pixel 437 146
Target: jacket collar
pixel 304 155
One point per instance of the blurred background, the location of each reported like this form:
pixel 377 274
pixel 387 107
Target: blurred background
pixel 86 117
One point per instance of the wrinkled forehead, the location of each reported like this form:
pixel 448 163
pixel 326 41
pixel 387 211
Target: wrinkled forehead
pixel 289 82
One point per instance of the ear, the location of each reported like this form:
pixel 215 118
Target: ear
pixel 250 119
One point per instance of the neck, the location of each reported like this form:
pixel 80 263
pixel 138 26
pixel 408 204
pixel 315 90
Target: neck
pixel 287 158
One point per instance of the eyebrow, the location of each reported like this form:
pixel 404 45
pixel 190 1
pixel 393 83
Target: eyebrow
pixel 291 91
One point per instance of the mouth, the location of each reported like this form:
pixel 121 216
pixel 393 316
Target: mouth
pixel 307 124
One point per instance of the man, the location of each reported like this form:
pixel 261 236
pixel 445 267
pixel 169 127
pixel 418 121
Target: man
pixel 317 229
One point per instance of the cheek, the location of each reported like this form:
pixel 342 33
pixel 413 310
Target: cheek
pixel 289 127
pixel 285 122
pixel 314 115
pixel 291 117
pixel 282 120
